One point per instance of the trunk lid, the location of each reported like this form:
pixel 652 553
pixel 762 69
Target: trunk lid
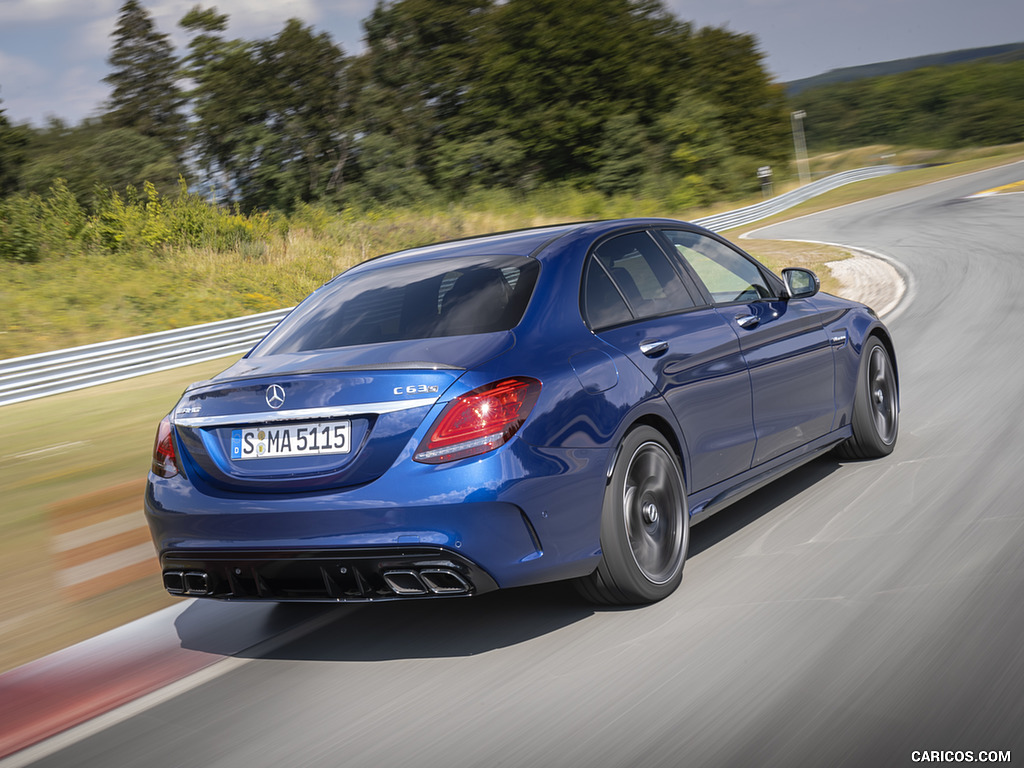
pixel 327 419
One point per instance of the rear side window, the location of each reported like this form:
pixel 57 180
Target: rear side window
pixel 643 276
pixel 603 305
pixel 399 302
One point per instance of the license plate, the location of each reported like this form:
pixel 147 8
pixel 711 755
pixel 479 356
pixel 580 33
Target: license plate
pixel 274 442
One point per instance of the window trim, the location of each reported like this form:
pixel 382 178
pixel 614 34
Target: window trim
pixel 593 260
pixel 694 289
pixel 772 281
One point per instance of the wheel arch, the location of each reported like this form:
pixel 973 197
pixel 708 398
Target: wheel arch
pixel 881 333
pixel 662 425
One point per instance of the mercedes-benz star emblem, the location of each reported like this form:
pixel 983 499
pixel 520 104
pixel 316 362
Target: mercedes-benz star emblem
pixel 275 396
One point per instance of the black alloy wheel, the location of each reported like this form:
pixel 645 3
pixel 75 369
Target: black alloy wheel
pixel 645 527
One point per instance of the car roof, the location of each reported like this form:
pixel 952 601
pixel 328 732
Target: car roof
pixel 520 242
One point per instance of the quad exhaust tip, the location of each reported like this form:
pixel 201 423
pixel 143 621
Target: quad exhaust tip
pixel 443 581
pixel 187 582
pixel 437 581
pixel 403 582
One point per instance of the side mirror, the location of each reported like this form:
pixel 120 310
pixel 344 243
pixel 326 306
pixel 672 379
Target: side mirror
pixel 800 283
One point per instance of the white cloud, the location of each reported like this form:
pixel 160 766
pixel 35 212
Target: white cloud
pixel 262 17
pixel 84 95
pixel 24 90
pixel 18 68
pixel 93 41
pixel 21 84
pixel 166 12
pixel 21 11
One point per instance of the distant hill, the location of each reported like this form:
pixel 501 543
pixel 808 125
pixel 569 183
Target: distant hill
pixel 1010 52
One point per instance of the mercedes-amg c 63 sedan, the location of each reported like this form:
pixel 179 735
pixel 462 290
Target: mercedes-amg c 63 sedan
pixel 531 406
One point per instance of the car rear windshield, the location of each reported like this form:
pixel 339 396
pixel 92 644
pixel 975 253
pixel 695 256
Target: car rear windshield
pixel 419 300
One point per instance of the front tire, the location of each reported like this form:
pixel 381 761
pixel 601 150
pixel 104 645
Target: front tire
pixel 876 407
pixel 645 525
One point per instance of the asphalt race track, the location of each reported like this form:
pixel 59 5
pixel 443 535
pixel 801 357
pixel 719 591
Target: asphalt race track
pixel 849 614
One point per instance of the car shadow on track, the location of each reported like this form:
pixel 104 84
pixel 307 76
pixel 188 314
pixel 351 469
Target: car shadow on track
pixel 434 628
pixel 445 628
pixel 742 513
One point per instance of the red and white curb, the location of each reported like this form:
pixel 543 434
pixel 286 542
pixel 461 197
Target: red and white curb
pixel 54 702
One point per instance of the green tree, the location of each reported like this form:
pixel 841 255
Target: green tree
pixel 552 73
pixel 728 72
pixel 942 106
pixel 485 160
pixel 624 155
pixel 226 117
pixel 13 140
pixel 308 115
pixel 91 155
pixel 422 57
pixel 146 97
pixel 389 173
pixel 206 26
pixel 697 148
pixel 988 122
pixel 525 92
pixel 287 135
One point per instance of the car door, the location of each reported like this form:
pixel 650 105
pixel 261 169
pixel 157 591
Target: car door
pixel 784 343
pixel 637 300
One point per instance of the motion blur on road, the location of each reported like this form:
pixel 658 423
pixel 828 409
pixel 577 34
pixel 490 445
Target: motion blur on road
pixel 849 614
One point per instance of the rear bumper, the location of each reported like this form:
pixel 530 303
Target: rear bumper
pixel 344 575
pixel 542 526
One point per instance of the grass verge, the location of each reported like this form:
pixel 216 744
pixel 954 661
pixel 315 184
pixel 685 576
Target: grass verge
pixel 59 448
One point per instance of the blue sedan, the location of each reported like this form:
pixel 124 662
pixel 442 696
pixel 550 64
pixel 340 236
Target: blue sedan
pixel 547 404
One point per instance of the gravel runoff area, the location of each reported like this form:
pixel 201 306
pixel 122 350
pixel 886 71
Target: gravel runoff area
pixel 869 279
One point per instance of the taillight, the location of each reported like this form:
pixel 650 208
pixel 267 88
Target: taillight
pixel 165 456
pixel 479 421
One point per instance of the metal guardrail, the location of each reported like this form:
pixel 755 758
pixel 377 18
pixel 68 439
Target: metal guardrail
pixel 65 370
pixel 738 218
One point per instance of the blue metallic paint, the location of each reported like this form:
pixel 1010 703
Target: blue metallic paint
pixel 530 510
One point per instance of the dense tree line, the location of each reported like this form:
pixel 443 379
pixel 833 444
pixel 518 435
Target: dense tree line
pixel 977 103
pixel 614 95
pixel 12 147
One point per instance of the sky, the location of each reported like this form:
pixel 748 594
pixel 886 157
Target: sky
pixel 53 52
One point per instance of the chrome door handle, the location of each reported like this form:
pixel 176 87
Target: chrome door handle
pixel 654 347
pixel 747 321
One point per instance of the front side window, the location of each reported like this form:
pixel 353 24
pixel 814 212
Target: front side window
pixel 400 302
pixel 727 274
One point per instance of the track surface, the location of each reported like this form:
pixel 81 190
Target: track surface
pixel 848 614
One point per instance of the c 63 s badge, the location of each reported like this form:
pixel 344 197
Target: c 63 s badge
pixel 417 389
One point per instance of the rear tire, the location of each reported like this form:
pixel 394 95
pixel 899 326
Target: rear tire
pixel 645 525
pixel 876 408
